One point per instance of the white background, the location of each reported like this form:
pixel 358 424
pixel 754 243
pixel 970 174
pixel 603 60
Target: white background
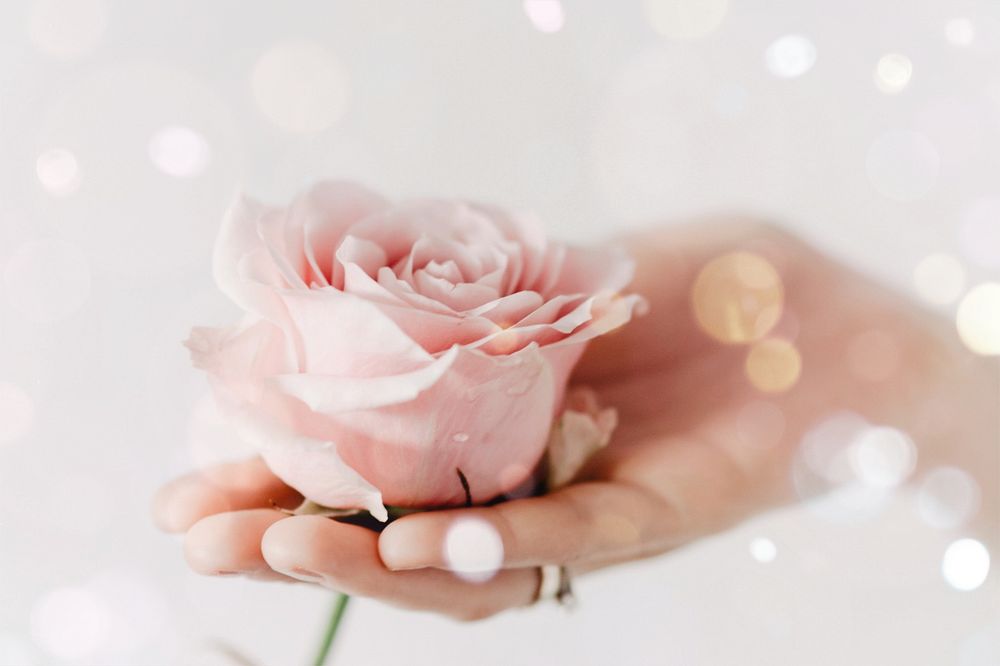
pixel 603 125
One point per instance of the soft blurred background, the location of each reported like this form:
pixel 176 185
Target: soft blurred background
pixel 869 127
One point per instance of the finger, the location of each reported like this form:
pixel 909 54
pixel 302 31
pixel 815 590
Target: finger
pixel 345 557
pixel 229 543
pixel 581 522
pixel 228 487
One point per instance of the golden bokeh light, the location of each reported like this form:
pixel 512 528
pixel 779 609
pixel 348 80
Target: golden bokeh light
pixel 978 319
pixel 773 365
pixel 738 297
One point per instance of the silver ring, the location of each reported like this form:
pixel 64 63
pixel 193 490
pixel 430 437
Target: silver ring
pixel 554 584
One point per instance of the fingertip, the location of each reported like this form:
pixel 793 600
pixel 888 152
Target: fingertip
pixel 404 545
pixel 229 542
pixel 288 544
pixel 203 546
pixel 182 503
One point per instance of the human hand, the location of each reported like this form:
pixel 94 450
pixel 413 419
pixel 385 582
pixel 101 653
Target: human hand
pixel 699 446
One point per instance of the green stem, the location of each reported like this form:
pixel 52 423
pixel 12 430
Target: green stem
pixel 339 606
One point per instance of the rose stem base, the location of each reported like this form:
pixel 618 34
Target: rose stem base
pixel 339 606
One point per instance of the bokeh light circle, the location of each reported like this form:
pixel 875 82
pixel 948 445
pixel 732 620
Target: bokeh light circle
pixel 179 151
pixel 773 365
pixel 978 319
pixel 893 72
pixel 70 623
pixel 948 497
pixel 685 19
pixel 903 165
pixel 154 227
pixel 545 15
pixel 939 278
pixel 790 56
pixel 966 564
pixel 763 550
pixel 47 280
pixel 473 549
pixel 883 457
pixel 738 297
pixel 58 172
pixel 960 31
pixel 300 86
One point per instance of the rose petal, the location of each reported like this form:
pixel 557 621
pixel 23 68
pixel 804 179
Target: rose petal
pixel 406 293
pixel 581 431
pixel 458 297
pixel 347 336
pixel 464 421
pixel 238 240
pixel 528 232
pixel 327 211
pixel 283 240
pixel 329 394
pixel 509 309
pixel 311 466
pixel 448 270
pixel 363 253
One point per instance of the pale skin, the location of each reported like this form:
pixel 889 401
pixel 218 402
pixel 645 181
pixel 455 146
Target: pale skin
pixel 686 461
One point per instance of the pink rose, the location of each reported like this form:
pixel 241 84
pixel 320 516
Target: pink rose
pixel 387 345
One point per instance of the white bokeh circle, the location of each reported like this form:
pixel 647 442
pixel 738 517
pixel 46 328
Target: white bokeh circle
pixel 473 549
pixel 790 56
pixel 966 564
pixel 545 15
pixel 58 171
pixel 128 218
pixel 948 497
pixel 883 457
pixel 71 623
pixel 960 31
pixel 763 550
pixel 179 151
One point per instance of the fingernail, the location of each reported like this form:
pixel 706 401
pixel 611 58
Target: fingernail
pixel 299 572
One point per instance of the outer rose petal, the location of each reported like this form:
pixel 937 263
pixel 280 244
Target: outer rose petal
pixel 488 416
pixel 582 430
pixel 237 242
pixel 329 395
pixel 239 357
pixel 313 467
